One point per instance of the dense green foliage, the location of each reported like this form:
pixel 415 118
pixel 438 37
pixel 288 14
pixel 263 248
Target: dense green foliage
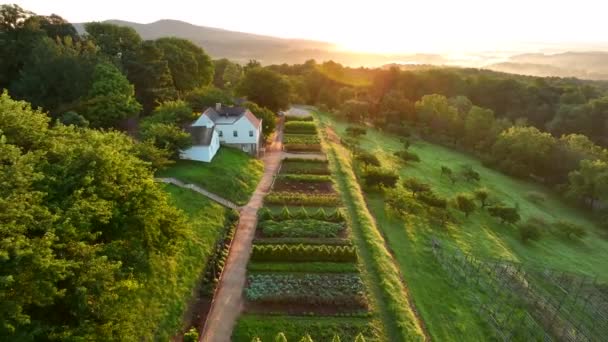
pixel 266 88
pixel 303 253
pixel 303 139
pixel 82 217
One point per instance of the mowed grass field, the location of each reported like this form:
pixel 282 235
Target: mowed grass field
pixel 232 174
pixel 444 308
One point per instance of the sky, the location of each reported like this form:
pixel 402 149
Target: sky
pixel 383 26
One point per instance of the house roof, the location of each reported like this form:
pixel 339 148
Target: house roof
pixel 201 135
pixel 230 115
pixel 254 121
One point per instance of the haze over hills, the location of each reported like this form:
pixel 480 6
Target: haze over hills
pixel 242 47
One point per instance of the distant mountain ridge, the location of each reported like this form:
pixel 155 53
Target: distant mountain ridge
pixel 241 47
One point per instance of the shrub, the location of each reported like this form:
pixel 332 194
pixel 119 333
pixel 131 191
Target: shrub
pixel 217 260
pixel 469 174
pixel 301 228
pixel 407 156
pixel 376 177
pixel 402 203
pixel 536 197
pixel 569 229
pixel 166 136
pixel 294 198
pixel 506 214
pixel 528 232
pixel 368 159
pixel 415 186
pixel 303 253
pixel 433 200
pixel 191 335
pixel 300 127
pixel 482 195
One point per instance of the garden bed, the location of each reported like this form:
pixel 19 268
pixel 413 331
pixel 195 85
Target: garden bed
pixel 303 199
pixel 305 166
pixel 292 185
pixel 307 228
pixel 307 292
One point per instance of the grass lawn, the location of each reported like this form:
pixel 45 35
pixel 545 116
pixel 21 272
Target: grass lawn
pixel 266 327
pixel 165 296
pixel 232 174
pixel 479 234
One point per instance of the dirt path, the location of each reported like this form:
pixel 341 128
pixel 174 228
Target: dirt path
pixel 228 300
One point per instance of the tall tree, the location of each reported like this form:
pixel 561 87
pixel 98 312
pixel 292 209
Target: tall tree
pixel 190 66
pixel 111 98
pixel 150 74
pixel 590 181
pixel 266 88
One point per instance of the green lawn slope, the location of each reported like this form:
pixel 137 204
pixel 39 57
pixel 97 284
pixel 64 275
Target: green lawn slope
pixel 231 174
pixel 446 312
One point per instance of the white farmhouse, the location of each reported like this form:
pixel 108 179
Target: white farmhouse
pixel 231 126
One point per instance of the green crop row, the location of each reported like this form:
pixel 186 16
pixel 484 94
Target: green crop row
pixel 301 228
pixel 302 213
pixel 303 253
pixel 289 118
pixel 295 198
pixel 293 147
pixel 309 139
pixel 305 178
pixel 333 290
pixel 300 127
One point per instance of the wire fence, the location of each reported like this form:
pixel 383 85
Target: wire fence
pixel 529 303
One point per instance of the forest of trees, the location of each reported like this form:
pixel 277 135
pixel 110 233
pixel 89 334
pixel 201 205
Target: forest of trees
pixel 552 130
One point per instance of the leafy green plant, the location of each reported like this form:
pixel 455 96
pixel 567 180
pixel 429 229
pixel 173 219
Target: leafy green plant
pixel 303 253
pixel 304 139
pixel 407 156
pixel 570 230
pixel 191 335
pixel 302 147
pixel 289 118
pixel 300 127
pixel 337 290
pixel 301 166
pixel 301 228
pixel 294 198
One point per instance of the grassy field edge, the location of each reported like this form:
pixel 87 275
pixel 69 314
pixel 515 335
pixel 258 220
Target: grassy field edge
pixel 391 295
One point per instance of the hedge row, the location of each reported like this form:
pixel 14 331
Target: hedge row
pixel 303 253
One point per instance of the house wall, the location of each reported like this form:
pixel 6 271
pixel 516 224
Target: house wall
pixel 243 140
pixel 202 153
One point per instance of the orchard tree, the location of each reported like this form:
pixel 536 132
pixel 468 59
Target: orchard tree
pixel 367 159
pixel 266 88
pixel 415 186
pixel 378 177
pixel 505 214
pixel 589 182
pixel 482 195
pixel 465 203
